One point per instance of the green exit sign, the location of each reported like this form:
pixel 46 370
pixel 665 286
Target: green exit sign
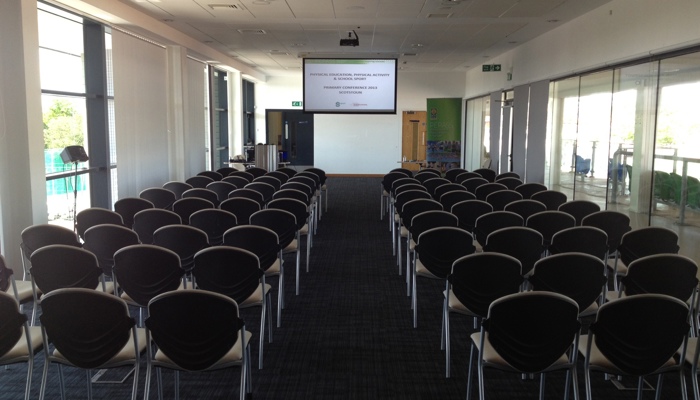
pixel 485 68
pixel 490 67
pixel 296 104
pixel 496 67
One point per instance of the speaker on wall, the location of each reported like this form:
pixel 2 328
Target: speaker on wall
pixel 74 154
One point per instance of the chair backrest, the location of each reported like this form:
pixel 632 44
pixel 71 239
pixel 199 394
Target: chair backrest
pixel 500 198
pixel 161 198
pixel 265 189
pixel 282 222
pixel 451 198
pixel 294 206
pixel 292 194
pixel 550 198
pixel 414 207
pixel 521 242
pixel 184 240
pixel 639 334
pixel 509 174
pixel 201 193
pixel 669 274
pixel 59 266
pixel 405 197
pixel 256 171
pixel 647 241
pixel 493 221
pixel 177 187
pixel 451 174
pixel 186 206
pixel 525 207
pixel 302 187
pixel 468 211
pixel 472 183
pixel 401 182
pixel 425 174
pixel 238 181
pixel 214 222
pixel 389 179
pixel 407 187
pixel 86 326
pixel 5 276
pixel 199 181
pixel 274 182
pixel 426 220
pixel 448 187
pixel 432 184
pixel 144 271
pixel 486 173
pixel 222 189
pixel 579 209
pixel 127 207
pixel 190 338
pixel 92 216
pixel 241 207
pixel 243 174
pixel 550 222
pixel 578 276
pixel 261 241
pixel 231 271
pixel 510 182
pixel 12 325
pixel 480 278
pixel 531 330
pixel 281 176
pixel 614 223
pixel 104 240
pixel 466 175
pixel 582 239
pixel 439 248
pixel 40 235
pixel 224 171
pixel 248 194
pixel 290 172
pixel 148 221
pixel 528 189
pixel 216 176
pixel 406 171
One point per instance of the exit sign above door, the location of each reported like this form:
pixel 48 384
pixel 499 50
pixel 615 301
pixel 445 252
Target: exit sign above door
pixel 296 104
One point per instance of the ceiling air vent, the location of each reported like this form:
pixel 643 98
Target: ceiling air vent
pixel 234 7
pixel 252 31
pixel 439 15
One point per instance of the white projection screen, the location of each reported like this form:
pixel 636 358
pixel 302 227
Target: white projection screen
pixel 350 86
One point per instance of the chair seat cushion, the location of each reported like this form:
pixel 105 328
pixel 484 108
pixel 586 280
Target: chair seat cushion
pixel 235 354
pixel 491 356
pixel 124 355
pixel 599 362
pixel 19 351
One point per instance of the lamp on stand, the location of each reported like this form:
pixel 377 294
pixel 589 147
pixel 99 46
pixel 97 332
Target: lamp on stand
pixel 74 155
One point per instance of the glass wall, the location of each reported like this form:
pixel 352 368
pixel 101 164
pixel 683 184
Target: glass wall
pixel 477 130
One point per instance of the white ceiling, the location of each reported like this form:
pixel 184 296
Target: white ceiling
pixel 273 36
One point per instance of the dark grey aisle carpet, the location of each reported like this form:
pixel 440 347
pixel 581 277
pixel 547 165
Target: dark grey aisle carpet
pixel 348 335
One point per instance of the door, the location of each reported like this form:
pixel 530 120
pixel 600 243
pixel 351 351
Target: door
pixel 293 132
pixel 413 139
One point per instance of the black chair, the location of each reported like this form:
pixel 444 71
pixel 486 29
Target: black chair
pixel 615 224
pixel 548 223
pixel 191 340
pixel 670 274
pixel 303 218
pixel 216 176
pixel 274 182
pixel 469 211
pixel 396 229
pixel 472 183
pixel 224 171
pixel 199 181
pixel 160 197
pixel 406 171
pixel 214 222
pixel 222 189
pixel 453 173
pixel 200 193
pixel 40 235
pixel 237 181
pixel 148 221
pixel 189 205
pixel 243 174
pixel 281 176
pixel 241 207
pixel 127 207
pixel 493 221
pixel 582 239
pixel 284 224
pixel 486 173
pixel 177 187
pixel 236 273
pixel 265 189
pixel 510 182
pixel 448 187
pixel 509 174
pixel 550 198
pixel 520 242
pixel 525 207
pixel 249 194
pixel 529 333
pixel 579 209
pixel 466 175
pixel 20 290
pixel 92 216
pixel 528 189
pixel 636 336
pixel 18 341
pixel 256 171
pixel 184 240
pixel 427 173
pixel 475 282
pixel 449 199
pixel 643 242
pixel 89 330
pixel 265 244
pixel 104 240
pixel 409 210
pixel 500 198
pixel 436 250
pixel 143 271
pixel 432 185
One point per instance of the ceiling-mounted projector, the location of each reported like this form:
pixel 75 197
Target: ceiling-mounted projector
pixel 350 41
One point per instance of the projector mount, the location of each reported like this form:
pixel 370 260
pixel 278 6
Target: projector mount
pixel 350 41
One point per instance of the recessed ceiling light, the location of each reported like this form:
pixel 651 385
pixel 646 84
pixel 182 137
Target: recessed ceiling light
pixel 417 45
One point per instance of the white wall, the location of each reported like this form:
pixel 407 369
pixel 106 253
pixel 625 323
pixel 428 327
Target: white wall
pixel 358 144
pixel 619 31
